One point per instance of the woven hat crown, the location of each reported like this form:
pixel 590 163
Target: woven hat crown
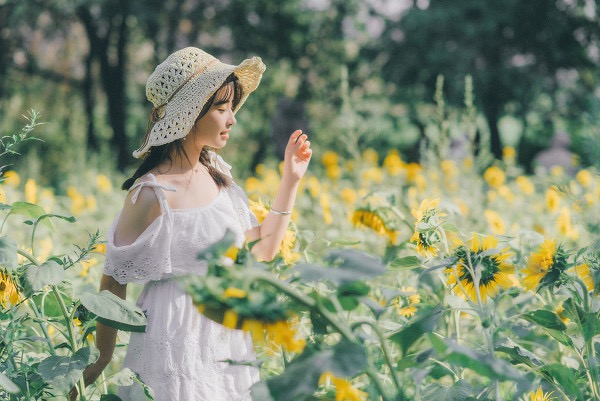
pixel 181 85
pixel 174 72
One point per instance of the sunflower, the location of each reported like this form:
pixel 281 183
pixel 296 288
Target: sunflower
pixel 284 333
pixel 584 272
pixel 378 220
pixel 406 303
pixel 545 266
pixel 344 391
pixel 9 294
pixel 539 395
pixel 487 263
pixel 428 221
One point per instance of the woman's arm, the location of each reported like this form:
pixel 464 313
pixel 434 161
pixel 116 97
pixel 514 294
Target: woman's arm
pixel 106 338
pixel 271 231
pixel 134 219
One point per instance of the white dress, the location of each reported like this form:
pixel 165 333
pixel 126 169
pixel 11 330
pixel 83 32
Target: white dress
pixel 181 355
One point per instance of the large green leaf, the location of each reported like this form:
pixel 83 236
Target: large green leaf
pixel 565 377
pixel 347 266
pixel 8 254
pixel 459 391
pixel 110 397
pixel 425 323
pixel 48 273
pixel 545 318
pixel 63 372
pixel 301 377
pixel 124 378
pixel 517 354
pixel 114 311
pixel 482 363
pixel 405 263
pixel 260 391
pixel 7 384
pixel 589 322
pixel 560 336
pixel 30 210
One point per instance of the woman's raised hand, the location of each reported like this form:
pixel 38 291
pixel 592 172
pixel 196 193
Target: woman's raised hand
pixel 297 156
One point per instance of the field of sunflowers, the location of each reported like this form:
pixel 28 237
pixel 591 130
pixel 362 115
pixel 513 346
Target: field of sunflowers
pixel 449 279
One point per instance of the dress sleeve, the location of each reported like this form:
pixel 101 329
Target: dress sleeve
pixel 148 257
pixel 237 195
pixel 242 208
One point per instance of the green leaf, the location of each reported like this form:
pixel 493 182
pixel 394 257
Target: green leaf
pixel 48 273
pixel 349 294
pixel 517 354
pixel 63 372
pixel 7 384
pixel 260 391
pixel 457 392
pixel 425 323
pixel 110 397
pixel 115 312
pixel 125 377
pixel 301 376
pixel 565 377
pixel 8 254
pixel 437 343
pixel 482 363
pixel 560 336
pixel 589 322
pixel 546 319
pixel 30 210
pixel 349 265
pixel 405 263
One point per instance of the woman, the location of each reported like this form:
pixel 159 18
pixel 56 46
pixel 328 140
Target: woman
pixel 181 199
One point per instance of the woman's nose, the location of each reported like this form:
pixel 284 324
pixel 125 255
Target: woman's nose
pixel 232 120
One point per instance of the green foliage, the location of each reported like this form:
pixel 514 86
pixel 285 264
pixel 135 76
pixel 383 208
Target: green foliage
pixel 44 328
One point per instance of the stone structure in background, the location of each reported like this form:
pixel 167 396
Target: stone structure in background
pixel 557 155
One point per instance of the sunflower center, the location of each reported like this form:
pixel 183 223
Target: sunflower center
pixel 488 267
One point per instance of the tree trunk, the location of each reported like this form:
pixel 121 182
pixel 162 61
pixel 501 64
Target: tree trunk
pixel 492 114
pixel 112 72
pixel 88 99
pixel 113 80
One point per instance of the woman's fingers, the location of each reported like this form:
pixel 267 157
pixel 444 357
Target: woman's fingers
pixel 295 136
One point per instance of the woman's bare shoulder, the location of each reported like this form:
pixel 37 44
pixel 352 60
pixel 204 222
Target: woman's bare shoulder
pixel 136 217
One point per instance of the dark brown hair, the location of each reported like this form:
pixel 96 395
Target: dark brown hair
pixel 158 154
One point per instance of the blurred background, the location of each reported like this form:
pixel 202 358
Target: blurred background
pixel 356 74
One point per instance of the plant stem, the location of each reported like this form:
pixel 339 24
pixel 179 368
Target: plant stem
pixel 42 326
pixel 28 256
pixel 384 348
pixel 372 373
pixel 71 339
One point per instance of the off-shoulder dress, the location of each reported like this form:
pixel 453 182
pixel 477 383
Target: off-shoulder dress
pixel 182 354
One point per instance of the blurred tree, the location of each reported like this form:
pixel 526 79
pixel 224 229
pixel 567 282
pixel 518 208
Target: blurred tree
pixel 107 29
pixel 309 39
pixel 512 48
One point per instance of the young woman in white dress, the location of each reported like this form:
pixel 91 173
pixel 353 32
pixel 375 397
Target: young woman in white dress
pixel 181 199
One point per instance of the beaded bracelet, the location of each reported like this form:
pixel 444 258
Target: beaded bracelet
pixel 278 212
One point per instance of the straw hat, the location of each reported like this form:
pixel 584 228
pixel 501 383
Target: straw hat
pixel 181 85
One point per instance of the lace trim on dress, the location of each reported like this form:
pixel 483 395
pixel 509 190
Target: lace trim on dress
pixel 237 195
pixel 148 257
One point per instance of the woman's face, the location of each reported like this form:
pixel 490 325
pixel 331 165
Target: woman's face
pixel 213 128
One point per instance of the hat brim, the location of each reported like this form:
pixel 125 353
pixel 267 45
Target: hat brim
pixel 181 111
